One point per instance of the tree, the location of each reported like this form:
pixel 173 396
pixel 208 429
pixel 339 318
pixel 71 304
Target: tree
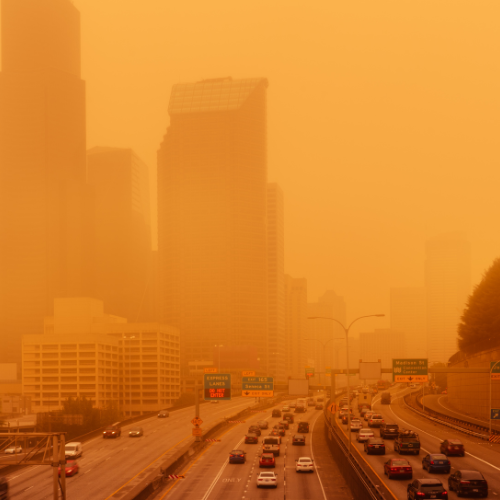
pixel 479 328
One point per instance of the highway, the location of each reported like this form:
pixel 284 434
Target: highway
pixel 480 455
pixel 109 467
pixel 211 477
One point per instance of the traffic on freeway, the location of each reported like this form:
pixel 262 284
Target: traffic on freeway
pixel 422 459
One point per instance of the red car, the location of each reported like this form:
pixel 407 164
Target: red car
pixel 452 447
pixel 398 467
pixel 71 468
pixel 267 460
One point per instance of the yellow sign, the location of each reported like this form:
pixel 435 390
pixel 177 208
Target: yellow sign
pixel 411 379
pixel 197 421
pixel 250 373
pixel 257 394
pixel 210 370
pixel 197 432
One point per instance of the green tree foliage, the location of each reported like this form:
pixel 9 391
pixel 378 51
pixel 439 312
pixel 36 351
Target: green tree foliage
pixel 480 325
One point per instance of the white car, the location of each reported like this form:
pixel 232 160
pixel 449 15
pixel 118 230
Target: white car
pixel 267 479
pixel 304 464
pixel 356 424
pixel 364 435
pixel 13 449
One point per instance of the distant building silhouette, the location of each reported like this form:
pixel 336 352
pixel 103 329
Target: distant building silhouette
pixel 408 317
pixel 276 281
pixel 212 182
pixel 384 344
pixel 43 194
pixel 448 285
pixel 122 271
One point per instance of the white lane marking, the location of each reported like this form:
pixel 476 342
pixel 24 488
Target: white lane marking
pixel 312 456
pixel 439 439
pixel 217 477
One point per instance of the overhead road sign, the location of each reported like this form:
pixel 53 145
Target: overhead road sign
pixel 495 414
pixel 257 387
pixel 412 370
pixel 328 371
pixel 211 369
pixel 217 386
pixel 495 370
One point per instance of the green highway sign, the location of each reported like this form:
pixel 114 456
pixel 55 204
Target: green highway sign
pixel 495 370
pixel 309 371
pixel 217 386
pixel 257 387
pixel 410 370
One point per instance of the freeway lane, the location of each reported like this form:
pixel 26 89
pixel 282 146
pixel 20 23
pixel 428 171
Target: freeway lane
pixel 211 477
pixel 107 464
pixel 479 455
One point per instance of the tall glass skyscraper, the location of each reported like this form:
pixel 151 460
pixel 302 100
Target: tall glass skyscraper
pixel 212 252
pixel 43 195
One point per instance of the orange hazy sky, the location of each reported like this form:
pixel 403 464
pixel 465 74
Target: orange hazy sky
pixel 383 119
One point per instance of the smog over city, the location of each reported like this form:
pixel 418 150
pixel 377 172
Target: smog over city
pixel 273 207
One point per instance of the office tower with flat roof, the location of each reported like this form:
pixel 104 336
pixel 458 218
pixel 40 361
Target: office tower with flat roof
pixel 212 234
pixel 448 285
pixel 324 335
pixel 122 271
pixel 276 281
pixel 43 193
pixel 384 344
pixel 408 317
pixel 295 326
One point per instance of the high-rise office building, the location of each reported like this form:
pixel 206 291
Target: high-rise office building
pixel 43 192
pixel 408 317
pixel 323 334
pixel 276 282
pixel 122 271
pixel 295 326
pixel 448 285
pixel 384 344
pixel 212 197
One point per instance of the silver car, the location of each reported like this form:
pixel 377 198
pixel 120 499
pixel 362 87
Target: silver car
pixel 13 449
pixel 364 435
pixel 269 479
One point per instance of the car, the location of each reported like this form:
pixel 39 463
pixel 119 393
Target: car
pixel 267 460
pixel 345 418
pixel 300 409
pixel 280 429
pixel 467 482
pixel 289 418
pixel 363 412
pixel 356 424
pixel 304 464
pixel 299 439
pixel 426 488
pixel 364 435
pixel 285 408
pixel 73 450
pixel 255 429
pixel 452 447
pixel 389 430
pixel 163 414
pixel 436 462
pixel 398 467
pixel 237 457
pixel 13 449
pixel 271 444
pixel 375 420
pixel 407 441
pixel 251 438
pixel 311 402
pixel 135 432
pixel 293 405
pixel 374 446
pixel 276 413
pixel 319 406
pixel 263 424
pixel 285 424
pixel 320 399
pixel 275 432
pixel 71 468
pixel 112 431
pixel 368 414
pixel 267 479
pixel 303 427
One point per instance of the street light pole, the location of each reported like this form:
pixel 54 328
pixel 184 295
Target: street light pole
pixel 324 359
pixel 346 331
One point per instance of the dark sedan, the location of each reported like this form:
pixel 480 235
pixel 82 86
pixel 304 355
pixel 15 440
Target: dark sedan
pixel 436 462
pixel 263 424
pixel 426 488
pixel 468 482
pixel 374 446
pixel 237 457
pixel 255 429
pixel 135 432
pixel 251 439
pixel 452 447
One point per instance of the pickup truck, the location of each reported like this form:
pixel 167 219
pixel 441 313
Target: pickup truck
pixel 407 442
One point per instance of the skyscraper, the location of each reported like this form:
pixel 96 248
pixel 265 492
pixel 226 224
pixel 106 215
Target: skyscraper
pixel 122 260
pixel 408 317
pixel 448 285
pixel 276 281
pixel 43 195
pixel 212 191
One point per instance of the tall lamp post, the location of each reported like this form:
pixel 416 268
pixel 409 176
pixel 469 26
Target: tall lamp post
pixel 324 350
pixel 346 331
pixel 129 369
